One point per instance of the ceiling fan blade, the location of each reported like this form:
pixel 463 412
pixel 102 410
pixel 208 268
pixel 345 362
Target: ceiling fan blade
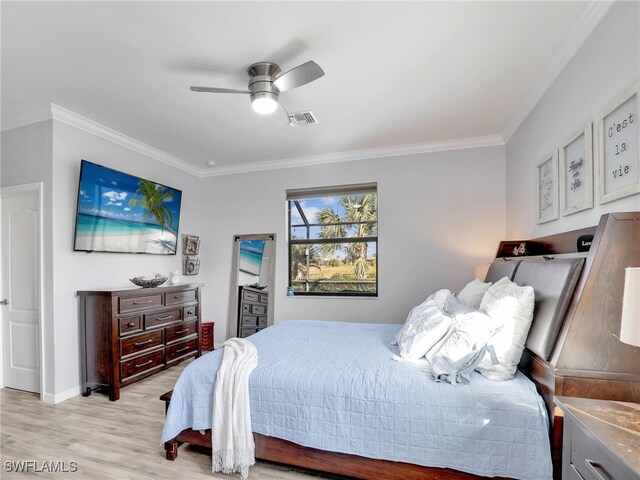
pixel 298 76
pixel 217 90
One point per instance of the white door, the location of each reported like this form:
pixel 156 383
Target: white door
pixel 21 288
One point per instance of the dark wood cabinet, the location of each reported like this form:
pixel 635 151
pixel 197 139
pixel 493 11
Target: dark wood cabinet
pixel 207 336
pixel 600 439
pixel 130 334
pixel 252 311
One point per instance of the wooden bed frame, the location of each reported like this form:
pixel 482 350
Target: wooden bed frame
pixel 587 359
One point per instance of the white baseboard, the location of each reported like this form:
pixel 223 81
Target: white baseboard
pixel 62 396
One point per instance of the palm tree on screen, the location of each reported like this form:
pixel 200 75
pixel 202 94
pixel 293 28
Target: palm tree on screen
pixel 153 198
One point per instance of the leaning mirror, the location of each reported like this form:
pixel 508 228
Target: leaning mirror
pixel 252 280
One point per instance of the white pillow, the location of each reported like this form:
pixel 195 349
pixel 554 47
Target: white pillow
pixel 512 306
pixel 462 348
pixel 473 292
pixel 433 326
pixel 415 315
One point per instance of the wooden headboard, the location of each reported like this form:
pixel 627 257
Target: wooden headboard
pixel 588 360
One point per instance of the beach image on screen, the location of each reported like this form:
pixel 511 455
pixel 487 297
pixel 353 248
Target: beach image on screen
pixel 118 212
pixel 251 256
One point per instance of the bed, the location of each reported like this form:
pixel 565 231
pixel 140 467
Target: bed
pixel 353 438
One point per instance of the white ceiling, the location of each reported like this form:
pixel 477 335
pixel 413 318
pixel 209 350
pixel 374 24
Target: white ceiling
pixel 397 74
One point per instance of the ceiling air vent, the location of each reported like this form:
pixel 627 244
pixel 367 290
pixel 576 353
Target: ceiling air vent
pixel 300 119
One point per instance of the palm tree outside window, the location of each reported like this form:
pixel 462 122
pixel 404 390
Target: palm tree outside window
pixel 333 241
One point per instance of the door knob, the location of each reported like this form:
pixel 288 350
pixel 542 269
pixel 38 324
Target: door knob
pixel 4 302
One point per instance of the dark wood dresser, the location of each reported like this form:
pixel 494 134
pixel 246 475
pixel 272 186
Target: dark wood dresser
pixel 252 311
pixel 130 334
pixel 601 439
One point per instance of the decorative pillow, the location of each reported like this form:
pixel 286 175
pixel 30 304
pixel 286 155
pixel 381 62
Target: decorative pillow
pixel 512 306
pixel 462 348
pixel 415 315
pixel 454 306
pixel 415 343
pixel 473 292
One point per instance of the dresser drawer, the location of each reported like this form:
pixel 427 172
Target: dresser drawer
pixel 262 321
pixel 250 296
pixel 178 350
pixel 264 298
pixel 189 312
pixel 181 330
pixel 592 460
pixel 249 320
pixel 245 332
pixel 138 343
pixel 259 309
pixel 156 319
pixel 142 302
pixel 130 324
pixel 138 365
pixel 175 298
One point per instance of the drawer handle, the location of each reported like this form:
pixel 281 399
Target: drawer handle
pixel 182 349
pixel 597 468
pixel 144 363
pixel 131 324
pixel 182 331
pixel 137 344
pixel 165 317
pixel 142 303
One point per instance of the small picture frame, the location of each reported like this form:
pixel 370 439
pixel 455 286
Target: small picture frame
pixel 576 172
pixel 547 188
pixel 190 244
pixel 191 265
pixel 619 138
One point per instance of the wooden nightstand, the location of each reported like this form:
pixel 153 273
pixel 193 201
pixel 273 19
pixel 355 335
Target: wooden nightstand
pixel 601 439
pixel 206 336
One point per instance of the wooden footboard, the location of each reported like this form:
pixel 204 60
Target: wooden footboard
pixel 282 451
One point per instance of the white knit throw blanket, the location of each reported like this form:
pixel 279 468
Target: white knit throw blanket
pixel 231 436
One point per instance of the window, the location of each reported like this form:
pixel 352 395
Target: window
pixel 333 241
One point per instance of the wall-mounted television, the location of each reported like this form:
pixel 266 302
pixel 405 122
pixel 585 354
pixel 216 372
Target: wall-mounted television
pixel 121 213
pixel 251 252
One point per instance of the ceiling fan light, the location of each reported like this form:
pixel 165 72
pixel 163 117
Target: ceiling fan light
pixel 264 102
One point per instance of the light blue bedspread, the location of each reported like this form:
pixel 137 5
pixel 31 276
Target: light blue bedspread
pixel 334 386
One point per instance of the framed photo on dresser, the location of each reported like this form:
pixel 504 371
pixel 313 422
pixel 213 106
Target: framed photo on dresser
pixel 619 139
pixel 547 188
pixel 576 172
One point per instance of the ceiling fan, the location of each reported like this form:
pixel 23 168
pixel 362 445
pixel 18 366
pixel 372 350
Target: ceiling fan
pixel 266 82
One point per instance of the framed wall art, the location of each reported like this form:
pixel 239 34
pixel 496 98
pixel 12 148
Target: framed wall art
pixel 619 163
pixel 575 165
pixel 191 265
pixel 547 188
pixel 190 244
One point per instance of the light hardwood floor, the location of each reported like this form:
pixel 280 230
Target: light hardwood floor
pixel 107 440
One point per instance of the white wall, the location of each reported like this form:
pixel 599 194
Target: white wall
pixel 440 214
pixel 75 271
pixel 26 158
pixel 604 67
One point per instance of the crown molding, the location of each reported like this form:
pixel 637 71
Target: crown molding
pixel 83 123
pixel 22 119
pixel 590 16
pixel 80 122
pixel 394 151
